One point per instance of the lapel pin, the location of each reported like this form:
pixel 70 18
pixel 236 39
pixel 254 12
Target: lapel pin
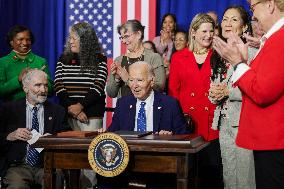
pixel 159 107
pixel 49 118
pixel 130 106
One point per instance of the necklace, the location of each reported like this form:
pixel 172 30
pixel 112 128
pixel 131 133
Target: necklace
pixel 139 58
pixel 201 52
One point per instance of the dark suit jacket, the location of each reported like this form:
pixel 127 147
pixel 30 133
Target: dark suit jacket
pixel 13 116
pixel 167 114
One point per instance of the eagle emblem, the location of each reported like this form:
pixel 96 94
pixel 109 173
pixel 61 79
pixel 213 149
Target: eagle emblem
pixel 109 154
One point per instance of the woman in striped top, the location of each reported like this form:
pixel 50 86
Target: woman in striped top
pixel 80 78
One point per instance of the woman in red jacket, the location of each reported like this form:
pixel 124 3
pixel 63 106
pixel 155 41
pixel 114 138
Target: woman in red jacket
pixel 190 73
pixel 189 82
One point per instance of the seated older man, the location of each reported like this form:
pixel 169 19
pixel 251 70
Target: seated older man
pixel 144 110
pixel 20 121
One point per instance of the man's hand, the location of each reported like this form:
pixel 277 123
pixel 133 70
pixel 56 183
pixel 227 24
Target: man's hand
pixel 163 132
pixel 75 109
pixel 101 130
pixel 20 134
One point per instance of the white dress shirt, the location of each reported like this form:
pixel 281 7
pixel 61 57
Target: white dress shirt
pixel 40 116
pixel 148 110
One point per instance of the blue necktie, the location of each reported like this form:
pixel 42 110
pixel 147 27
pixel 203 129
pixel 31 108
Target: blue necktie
pixel 141 119
pixel 32 153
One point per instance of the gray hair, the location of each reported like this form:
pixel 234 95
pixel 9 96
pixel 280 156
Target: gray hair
pixel 134 25
pixel 150 69
pixel 279 4
pixel 27 78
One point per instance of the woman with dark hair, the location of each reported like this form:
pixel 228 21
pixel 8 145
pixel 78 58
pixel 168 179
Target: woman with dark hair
pixel 150 45
pixel 80 78
pixel 180 40
pixel 164 42
pixel 132 34
pixel 238 164
pixel 20 39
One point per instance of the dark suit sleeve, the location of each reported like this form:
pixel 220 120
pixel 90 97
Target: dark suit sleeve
pixel 115 124
pixel 60 124
pixel 63 123
pixel 4 115
pixel 179 124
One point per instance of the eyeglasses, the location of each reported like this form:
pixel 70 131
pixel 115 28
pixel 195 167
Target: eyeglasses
pixel 125 37
pixel 74 38
pixel 252 7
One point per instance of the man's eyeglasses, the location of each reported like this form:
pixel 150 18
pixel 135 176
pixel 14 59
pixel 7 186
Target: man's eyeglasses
pixel 125 37
pixel 253 6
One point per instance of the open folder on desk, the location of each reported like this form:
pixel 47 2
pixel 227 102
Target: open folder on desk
pixel 134 134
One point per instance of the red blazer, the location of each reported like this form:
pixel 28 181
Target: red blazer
pixel 262 116
pixel 190 86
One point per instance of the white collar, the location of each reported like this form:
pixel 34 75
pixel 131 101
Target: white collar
pixel 149 99
pixel 274 28
pixel 30 106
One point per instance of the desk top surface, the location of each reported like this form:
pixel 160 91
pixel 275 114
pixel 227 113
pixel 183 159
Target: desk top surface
pixel 153 143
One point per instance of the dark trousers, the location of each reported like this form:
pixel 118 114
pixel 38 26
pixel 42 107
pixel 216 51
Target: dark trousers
pixel 269 169
pixel 210 166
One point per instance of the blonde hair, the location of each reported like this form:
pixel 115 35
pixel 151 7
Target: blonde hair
pixel 195 24
pixel 279 4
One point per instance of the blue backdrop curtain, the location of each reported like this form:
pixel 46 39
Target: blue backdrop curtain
pixel 46 18
pixel 185 10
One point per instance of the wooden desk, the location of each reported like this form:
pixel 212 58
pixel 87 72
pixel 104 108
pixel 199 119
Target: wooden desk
pixel 152 153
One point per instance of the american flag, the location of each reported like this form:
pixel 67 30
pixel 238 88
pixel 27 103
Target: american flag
pixel 105 16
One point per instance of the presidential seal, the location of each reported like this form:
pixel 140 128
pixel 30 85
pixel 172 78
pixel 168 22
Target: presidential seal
pixel 108 154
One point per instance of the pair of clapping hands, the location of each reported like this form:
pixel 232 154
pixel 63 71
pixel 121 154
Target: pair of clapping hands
pixel 162 132
pixel 166 36
pixel 235 51
pixel 218 91
pixel 120 73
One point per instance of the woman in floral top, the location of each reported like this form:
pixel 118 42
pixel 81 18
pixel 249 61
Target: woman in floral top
pixel 238 164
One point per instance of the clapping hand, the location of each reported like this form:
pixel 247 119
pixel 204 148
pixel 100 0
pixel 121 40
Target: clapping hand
pixel 122 72
pixel 113 70
pixel 218 91
pixel 234 51
pixel 252 41
pixel 166 36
